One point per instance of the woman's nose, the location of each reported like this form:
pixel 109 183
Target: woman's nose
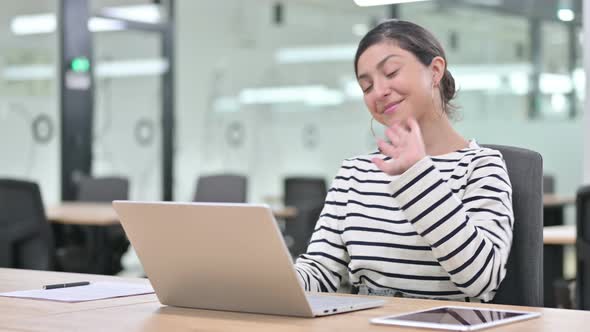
pixel 382 89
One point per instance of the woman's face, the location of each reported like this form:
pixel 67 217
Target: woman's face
pixel 395 84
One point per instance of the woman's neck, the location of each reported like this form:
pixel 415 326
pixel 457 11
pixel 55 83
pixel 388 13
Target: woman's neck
pixel 439 135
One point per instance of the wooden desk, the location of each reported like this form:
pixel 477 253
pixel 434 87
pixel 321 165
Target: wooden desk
pixel 93 218
pixel 552 200
pixel 85 214
pixel 145 313
pixel 286 212
pixel 559 235
pixel 553 215
pixel 103 214
pixel 13 280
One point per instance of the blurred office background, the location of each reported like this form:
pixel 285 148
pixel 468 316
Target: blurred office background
pixel 266 89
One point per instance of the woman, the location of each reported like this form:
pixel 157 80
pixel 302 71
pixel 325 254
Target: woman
pixel 430 214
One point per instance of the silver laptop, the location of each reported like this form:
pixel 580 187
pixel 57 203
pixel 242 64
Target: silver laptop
pixel 223 257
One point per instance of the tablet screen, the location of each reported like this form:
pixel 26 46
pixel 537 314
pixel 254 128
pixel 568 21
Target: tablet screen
pixel 461 318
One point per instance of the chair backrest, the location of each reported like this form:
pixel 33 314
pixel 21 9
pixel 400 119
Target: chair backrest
pixel 26 240
pixel 548 184
pixel 304 190
pixel 523 284
pixel 102 189
pixel 307 194
pixel 223 188
pixel 583 248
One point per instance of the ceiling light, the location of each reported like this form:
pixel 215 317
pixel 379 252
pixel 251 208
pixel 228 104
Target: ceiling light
pixel 47 23
pixel 122 68
pixel 366 3
pixel 28 73
pixel 97 24
pixel 316 54
pixel 566 15
pixel 148 13
pixel 127 68
pixel 33 24
pixel 555 83
pixel 316 95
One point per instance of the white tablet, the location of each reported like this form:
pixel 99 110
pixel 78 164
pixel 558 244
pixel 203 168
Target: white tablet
pixel 456 318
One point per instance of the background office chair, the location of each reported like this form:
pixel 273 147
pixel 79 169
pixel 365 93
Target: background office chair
pixel 307 195
pixel 548 184
pixel 223 188
pixel 523 284
pixel 76 246
pixel 26 241
pixel 583 248
pixel 102 189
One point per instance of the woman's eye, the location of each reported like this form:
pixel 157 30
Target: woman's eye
pixel 391 74
pixel 367 89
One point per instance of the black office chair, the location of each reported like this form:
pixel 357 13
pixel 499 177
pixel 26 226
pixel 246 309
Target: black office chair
pixel 307 195
pixel 222 188
pixel 26 241
pixel 583 248
pixel 523 284
pixel 102 189
pixel 77 246
pixel 548 184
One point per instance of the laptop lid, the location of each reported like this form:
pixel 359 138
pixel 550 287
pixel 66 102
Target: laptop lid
pixel 221 256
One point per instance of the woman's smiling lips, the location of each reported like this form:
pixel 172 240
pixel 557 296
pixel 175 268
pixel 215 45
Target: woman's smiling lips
pixel 392 107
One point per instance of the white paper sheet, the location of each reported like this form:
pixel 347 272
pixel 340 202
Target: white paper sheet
pixel 94 291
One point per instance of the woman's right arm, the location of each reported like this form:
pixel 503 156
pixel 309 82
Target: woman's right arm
pixel 324 264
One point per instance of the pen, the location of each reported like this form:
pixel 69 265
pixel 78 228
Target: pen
pixel 71 284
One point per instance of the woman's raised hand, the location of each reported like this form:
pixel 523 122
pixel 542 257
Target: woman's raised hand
pixel 406 147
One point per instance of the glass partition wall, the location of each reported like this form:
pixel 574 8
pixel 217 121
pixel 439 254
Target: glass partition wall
pixel 29 95
pixel 127 130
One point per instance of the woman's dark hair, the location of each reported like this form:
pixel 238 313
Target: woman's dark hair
pixel 418 41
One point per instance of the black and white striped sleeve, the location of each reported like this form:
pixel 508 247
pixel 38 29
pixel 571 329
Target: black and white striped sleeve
pixel 470 237
pixel 324 264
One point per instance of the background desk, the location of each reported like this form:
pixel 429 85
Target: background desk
pixel 103 214
pixel 552 200
pixel 559 235
pixel 145 313
pixel 553 215
pixel 85 214
pixel 95 218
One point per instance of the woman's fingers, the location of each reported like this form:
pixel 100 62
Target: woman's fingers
pixel 387 149
pixel 393 136
pixel 388 167
pixel 397 134
pixel 406 147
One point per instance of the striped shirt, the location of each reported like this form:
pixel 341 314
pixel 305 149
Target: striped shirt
pixel 442 229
